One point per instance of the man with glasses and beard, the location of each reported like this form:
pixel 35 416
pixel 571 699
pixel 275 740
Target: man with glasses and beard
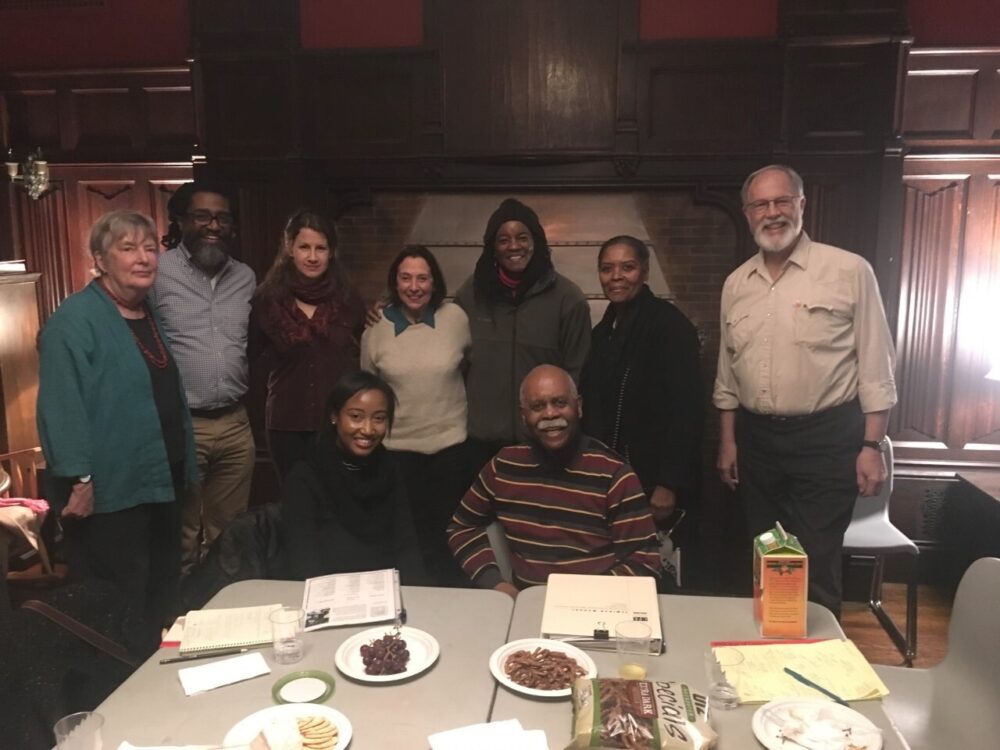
pixel 202 295
pixel 805 380
pixel 567 504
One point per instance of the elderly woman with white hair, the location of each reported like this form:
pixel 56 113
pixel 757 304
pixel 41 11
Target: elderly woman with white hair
pixel 115 427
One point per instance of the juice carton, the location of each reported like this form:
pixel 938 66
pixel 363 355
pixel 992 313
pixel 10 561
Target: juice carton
pixel 780 584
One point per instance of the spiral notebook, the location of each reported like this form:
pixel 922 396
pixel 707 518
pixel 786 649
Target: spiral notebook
pixel 238 627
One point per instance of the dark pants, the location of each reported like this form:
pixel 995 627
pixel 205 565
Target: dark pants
pixel 139 550
pixel 288 448
pixel 801 471
pixel 435 484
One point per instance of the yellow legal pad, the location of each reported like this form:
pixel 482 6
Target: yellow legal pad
pixel 836 665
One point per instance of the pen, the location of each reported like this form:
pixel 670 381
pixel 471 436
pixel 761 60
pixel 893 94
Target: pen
pixel 204 655
pixel 806 681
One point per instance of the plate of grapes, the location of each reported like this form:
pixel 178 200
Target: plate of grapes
pixel 386 654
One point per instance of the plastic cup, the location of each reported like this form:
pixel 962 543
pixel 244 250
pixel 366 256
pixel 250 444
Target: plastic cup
pixel 79 731
pixel 632 643
pixel 286 634
pixel 719 668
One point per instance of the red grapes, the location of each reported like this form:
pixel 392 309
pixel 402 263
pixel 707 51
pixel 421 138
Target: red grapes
pixel 385 655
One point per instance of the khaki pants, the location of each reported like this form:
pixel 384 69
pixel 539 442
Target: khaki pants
pixel 226 453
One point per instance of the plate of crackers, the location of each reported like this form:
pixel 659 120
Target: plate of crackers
pixel 316 727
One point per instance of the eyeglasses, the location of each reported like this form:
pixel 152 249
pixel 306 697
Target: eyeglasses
pixel 204 218
pixel 782 203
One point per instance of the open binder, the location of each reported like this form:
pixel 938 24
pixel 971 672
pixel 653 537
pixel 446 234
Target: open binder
pixel 584 609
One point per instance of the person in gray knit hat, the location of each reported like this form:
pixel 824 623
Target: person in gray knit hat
pixel 522 314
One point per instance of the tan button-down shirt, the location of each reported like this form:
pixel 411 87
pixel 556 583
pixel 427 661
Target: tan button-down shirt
pixel 815 338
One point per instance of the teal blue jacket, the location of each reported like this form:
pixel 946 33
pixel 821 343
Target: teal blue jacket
pixel 96 413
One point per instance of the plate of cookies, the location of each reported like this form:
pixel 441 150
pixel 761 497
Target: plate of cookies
pixel 312 726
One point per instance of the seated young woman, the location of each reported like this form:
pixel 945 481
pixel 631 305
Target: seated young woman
pixel 344 506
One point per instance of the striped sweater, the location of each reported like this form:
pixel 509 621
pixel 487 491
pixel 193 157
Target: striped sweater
pixel 590 516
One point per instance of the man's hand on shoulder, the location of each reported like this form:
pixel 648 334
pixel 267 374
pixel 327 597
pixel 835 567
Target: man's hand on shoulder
pixel 374 313
pixel 870 466
pixel 507 588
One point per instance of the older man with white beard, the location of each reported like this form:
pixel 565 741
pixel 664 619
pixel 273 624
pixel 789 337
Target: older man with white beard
pixel 202 296
pixel 567 504
pixel 805 380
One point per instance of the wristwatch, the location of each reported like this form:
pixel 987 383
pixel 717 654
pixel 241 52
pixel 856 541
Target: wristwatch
pixel 878 445
pixel 85 479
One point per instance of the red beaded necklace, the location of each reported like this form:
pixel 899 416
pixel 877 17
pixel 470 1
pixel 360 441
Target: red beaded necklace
pixel 158 360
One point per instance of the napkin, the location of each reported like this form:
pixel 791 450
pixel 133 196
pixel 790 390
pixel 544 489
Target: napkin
pixel 130 746
pixel 224 672
pixel 498 735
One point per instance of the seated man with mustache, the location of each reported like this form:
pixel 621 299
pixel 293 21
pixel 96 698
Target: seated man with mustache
pixel 567 504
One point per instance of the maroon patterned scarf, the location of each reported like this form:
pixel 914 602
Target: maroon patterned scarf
pixel 287 326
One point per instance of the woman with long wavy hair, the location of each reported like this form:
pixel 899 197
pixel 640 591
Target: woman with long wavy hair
pixel 305 331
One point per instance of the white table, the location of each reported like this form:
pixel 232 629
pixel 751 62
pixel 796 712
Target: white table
pixel 689 624
pixel 150 708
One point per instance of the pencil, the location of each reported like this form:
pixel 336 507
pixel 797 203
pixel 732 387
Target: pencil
pixel 204 655
pixel 806 681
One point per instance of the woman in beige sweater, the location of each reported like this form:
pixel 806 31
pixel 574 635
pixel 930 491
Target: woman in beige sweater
pixel 420 347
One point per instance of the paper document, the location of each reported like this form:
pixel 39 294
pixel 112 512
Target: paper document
pixel 497 735
pixel 584 609
pixel 351 598
pixel 836 665
pixel 238 627
pixel 218 673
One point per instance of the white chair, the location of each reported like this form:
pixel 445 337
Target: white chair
pixel 498 541
pixel 872 535
pixel 957 703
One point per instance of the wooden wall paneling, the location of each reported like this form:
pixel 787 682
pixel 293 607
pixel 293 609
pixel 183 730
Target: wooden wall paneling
pixel 30 118
pixel 18 361
pixel 975 405
pixel 96 116
pixel 840 96
pixel 44 233
pixel 373 104
pixel 168 112
pixel 709 97
pixel 627 124
pixel 941 104
pixel 105 118
pixel 841 17
pixel 247 106
pixel 528 77
pixel 934 222
pixel 953 98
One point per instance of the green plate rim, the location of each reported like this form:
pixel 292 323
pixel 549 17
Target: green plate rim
pixel 331 685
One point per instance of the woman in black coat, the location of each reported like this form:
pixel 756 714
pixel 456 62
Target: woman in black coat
pixel 641 386
pixel 344 507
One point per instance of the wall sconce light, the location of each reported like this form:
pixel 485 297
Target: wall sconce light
pixel 33 172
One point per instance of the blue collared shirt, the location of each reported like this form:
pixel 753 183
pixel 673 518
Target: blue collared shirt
pixel 206 325
pixel 399 320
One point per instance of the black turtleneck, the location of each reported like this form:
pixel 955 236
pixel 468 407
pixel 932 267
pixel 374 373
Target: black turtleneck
pixel 342 513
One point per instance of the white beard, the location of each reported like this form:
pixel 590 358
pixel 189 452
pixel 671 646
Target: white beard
pixel 778 243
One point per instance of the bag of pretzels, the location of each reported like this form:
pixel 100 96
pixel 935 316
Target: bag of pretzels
pixel 639 715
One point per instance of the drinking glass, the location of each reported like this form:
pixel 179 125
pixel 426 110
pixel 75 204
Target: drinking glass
pixel 286 632
pixel 79 731
pixel 720 664
pixel 632 643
